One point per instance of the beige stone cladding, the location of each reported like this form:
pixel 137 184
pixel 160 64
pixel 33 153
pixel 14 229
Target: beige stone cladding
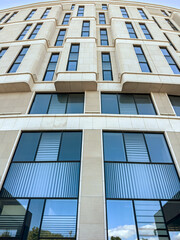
pixel 18 89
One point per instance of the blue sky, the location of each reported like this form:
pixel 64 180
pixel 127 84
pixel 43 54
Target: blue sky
pixel 13 3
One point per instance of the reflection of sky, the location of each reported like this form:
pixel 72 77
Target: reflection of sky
pixel 124 232
pixel 174 235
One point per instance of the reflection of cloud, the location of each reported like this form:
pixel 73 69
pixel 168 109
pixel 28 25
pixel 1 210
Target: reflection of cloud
pixel 176 237
pixel 125 231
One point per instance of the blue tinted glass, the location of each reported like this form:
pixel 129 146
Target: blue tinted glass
pixel 75 103
pixel 72 66
pixel 59 218
pixel 58 104
pixel 175 69
pixel 138 50
pixel 113 146
pixel 157 147
pixel 27 147
pixel 175 101
pixel 14 68
pixel 40 104
pixel 144 104
pixel 107 75
pixel 127 104
pixel 70 146
pixel 145 67
pixel 120 218
pixel 49 76
pixel 109 103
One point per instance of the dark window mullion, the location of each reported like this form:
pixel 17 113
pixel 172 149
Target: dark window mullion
pixel 38 146
pixel 135 218
pixel 124 146
pixel 49 104
pixel 67 102
pixel 147 148
pixel 41 218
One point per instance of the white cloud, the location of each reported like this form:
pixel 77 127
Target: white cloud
pixel 124 232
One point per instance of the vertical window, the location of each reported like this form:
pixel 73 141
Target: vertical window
pixel 85 29
pixel 170 60
pixel 24 32
pixel 72 6
pixel 66 19
pixel 35 31
pixel 58 103
pixel 45 14
pixel 171 24
pixel 102 19
pixel 18 60
pixel 104 7
pixel 170 41
pixel 131 30
pixel 80 12
pixel 142 13
pixel 142 59
pixel 73 58
pixel 104 37
pixel 145 31
pixel 106 67
pixel 14 14
pixel 156 22
pixel 127 104
pixel 60 38
pixel 175 101
pixel 4 17
pixel 31 14
pixel 2 52
pixel 124 12
pixel 164 13
pixel 51 67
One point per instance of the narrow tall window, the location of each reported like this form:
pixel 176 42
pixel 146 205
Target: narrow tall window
pixel 171 24
pixel 131 30
pixel 142 13
pixel 2 52
pixel 24 32
pixel 73 58
pixel 80 12
pixel 175 101
pixel 66 19
pixel 124 12
pixel 102 19
pixel 104 37
pixel 156 22
pixel 104 7
pixel 51 67
pixel 60 38
pixel 35 31
pixel 4 17
pixel 18 60
pixel 170 60
pixel 164 13
pixel 106 67
pixel 14 14
pixel 142 59
pixel 72 6
pixel 85 29
pixel 145 31
pixel 170 41
pixel 45 14
pixel 31 14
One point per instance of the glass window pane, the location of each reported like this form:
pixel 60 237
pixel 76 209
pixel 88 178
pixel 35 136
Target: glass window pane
pixel 120 218
pixel 109 103
pixel 27 147
pixel 136 147
pixel 144 104
pixel 107 75
pixel 51 66
pixel 144 67
pixel 75 103
pixel 113 147
pixel 33 219
pixel 54 58
pixel 175 69
pixel 59 219
pixel 158 148
pixel 72 66
pixel 14 67
pixel 49 76
pixel 58 104
pixel 40 104
pixel 48 147
pixel 175 101
pixel 127 104
pixel 12 214
pixel 71 146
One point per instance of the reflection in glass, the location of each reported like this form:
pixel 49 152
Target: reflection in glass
pixel 172 216
pixel 121 221
pixel 150 220
pixel 59 219
pixel 12 214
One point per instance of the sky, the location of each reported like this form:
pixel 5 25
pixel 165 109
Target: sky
pixel 13 3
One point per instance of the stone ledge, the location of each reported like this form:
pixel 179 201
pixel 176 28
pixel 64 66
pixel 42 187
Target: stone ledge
pixel 16 82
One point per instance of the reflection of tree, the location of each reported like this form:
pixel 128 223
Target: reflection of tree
pixel 115 238
pixel 6 234
pixel 33 234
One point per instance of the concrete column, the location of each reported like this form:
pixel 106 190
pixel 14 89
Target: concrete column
pixel 163 104
pixel 92 102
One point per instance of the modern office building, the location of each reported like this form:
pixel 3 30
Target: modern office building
pixel 90 121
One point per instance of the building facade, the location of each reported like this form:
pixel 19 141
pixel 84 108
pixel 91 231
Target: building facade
pixel 90 121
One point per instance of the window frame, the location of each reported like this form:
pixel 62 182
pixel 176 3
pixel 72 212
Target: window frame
pixel 49 62
pixel 147 63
